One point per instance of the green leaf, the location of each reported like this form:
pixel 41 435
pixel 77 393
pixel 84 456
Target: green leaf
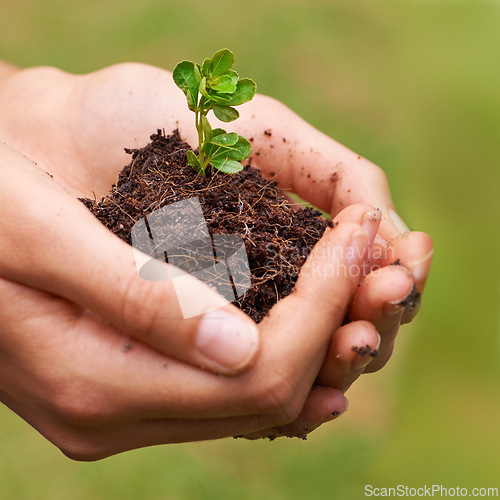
pixel 225 83
pixel 197 73
pixel 243 147
pixel 221 62
pixel 207 129
pixel 218 131
pixel 227 165
pixel 205 68
pixel 203 88
pixel 185 78
pixel 193 160
pixel 225 113
pixel 245 90
pixel 225 139
pixel 216 98
pixel 192 104
pixel 241 150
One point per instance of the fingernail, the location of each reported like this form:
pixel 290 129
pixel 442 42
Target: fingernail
pixel 371 224
pixel 398 222
pixel 227 340
pixel 357 247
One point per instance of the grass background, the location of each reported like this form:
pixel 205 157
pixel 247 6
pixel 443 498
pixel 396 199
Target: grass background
pixel 413 85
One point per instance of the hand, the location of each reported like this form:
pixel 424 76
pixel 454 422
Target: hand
pixel 87 159
pixel 332 177
pixel 81 148
pixel 94 391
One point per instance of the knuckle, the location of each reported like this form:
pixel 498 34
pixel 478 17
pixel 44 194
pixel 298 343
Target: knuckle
pixel 80 449
pixel 378 172
pixel 77 409
pixel 77 401
pixel 74 428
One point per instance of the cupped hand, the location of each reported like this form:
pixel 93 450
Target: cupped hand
pixel 94 391
pixel 75 128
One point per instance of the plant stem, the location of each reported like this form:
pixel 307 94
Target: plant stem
pixel 201 137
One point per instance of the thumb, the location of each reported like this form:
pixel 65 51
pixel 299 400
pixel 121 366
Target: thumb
pixel 300 326
pixel 52 242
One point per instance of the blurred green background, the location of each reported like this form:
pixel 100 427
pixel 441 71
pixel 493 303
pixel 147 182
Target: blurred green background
pixel 413 85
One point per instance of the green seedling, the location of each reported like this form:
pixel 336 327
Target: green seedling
pixel 214 86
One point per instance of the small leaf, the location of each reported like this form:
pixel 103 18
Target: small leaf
pixel 203 89
pixel 216 98
pixel 193 160
pixel 207 129
pixel 197 73
pixel 225 113
pixel 185 78
pixel 245 91
pixel 225 139
pixel 227 165
pixel 243 147
pixel 239 151
pixel 192 104
pixel 218 131
pixel 211 149
pixel 205 68
pixel 225 84
pixel 221 62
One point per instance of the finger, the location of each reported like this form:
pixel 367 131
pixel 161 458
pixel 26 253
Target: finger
pixel 98 442
pixel 129 380
pixel 364 215
pixel 316 167
pixel 138 382
pixel 323 405
pixel 52 242
pixel 380 299
pixel 295 336
pixel 414 250
pixel 352 348
pixel 319 302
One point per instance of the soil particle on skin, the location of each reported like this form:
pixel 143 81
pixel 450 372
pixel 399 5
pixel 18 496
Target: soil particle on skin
pixel 412 300
pixel 365 350
pixel 127 347
pixel 278 238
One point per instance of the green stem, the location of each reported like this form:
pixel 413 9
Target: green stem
pixel 201 137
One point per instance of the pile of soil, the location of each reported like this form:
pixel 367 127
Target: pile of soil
pixel 278 237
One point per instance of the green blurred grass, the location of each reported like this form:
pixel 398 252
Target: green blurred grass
pixel 411 85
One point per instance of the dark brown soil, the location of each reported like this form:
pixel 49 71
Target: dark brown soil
pixel 278 238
